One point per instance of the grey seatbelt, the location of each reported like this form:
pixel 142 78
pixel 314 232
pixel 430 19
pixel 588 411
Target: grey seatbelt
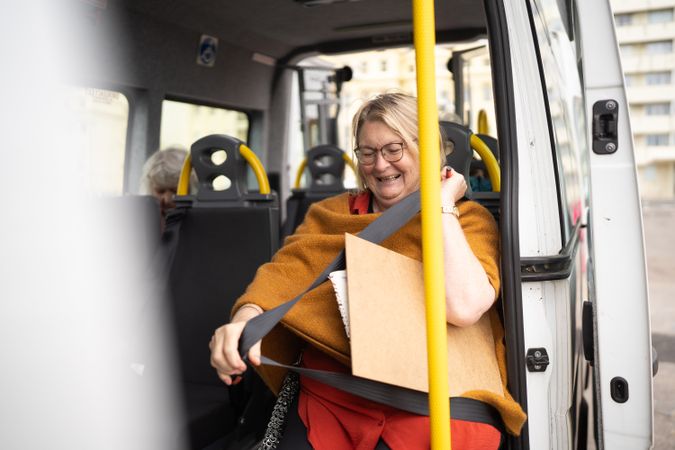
pixel 396 396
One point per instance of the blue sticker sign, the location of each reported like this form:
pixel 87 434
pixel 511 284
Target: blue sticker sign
pixel 208 47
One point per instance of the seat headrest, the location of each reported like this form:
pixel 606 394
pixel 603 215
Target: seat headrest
pixel 461 155
pixel 326 168
pixel 223 176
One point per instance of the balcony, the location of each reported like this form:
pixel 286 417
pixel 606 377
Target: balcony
pixel 642 124
pixel 647 32
pixel 642 62
pixel 650 155
pixel 627 6
pixel 651 93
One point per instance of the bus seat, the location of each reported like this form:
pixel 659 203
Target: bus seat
pixel 461 155
pixel 462 160
pixel 220 237
pixel 326 167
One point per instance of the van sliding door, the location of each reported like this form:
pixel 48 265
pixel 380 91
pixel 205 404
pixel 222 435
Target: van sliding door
pixel 622 342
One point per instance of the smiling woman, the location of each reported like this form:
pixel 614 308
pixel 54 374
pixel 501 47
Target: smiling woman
pixel 385 129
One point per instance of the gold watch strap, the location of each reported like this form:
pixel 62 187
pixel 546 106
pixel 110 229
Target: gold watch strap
pixel 446 209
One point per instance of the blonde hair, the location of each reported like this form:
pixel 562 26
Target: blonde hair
pixel 398 111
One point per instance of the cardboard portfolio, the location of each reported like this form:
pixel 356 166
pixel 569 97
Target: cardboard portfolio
pixel 388 327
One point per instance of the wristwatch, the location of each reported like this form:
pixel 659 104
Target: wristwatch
pixel 450 210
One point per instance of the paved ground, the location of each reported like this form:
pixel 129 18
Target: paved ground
pixel 659 223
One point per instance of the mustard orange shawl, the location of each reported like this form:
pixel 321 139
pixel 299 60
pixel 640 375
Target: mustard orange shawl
pixel 316 319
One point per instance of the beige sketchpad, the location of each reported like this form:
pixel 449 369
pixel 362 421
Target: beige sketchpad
pixel 388 338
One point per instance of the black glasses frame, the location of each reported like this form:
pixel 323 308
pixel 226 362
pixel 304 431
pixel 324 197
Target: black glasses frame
pixel 386 156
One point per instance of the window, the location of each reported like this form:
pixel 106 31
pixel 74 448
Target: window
pixel 102 117
pixel 184 123
pixel 565 106
pixel 628 49
pixel 658 140
pixel 659 47
pixel 623 20
pixel 631 79
pixel 383 65
pixel 363 67
pixel 657 109
pixel 654 78
pixel 660 16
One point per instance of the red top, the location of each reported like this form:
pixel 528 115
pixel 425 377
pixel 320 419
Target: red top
pixel 337 420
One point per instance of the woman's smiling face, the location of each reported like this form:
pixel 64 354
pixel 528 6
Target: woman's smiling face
pixel 389 182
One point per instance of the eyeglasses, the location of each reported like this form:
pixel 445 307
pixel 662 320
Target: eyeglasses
pixel 391 152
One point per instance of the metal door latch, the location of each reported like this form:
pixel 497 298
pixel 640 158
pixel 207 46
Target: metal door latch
pixel 537 359
pixel 605 127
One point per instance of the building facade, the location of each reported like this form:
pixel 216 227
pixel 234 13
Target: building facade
pixel 646 31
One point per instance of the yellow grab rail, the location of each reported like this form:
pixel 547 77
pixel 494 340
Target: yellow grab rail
pixel 303 166
pixel 184 180
pixel 490 161
pixel 432 234
pixel 246 153
pixel 483 127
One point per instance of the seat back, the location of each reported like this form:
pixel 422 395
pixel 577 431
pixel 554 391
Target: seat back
pixel 461 159
pixel 326 166
pixel 461 155
pixel 225 233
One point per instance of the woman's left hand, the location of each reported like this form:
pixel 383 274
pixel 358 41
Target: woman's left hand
pixel 453 186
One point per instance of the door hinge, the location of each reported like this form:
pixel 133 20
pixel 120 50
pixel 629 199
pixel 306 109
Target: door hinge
pixel 537 359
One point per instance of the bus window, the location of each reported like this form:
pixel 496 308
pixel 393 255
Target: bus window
pixel 183 123
pixel 102 117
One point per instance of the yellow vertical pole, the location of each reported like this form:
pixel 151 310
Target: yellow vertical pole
pixel 432 237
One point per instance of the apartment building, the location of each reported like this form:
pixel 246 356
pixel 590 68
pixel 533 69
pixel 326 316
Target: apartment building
pixel 646 32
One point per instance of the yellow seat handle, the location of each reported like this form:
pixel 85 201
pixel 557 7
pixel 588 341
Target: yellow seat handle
pixel 490 161
pixel 246 153
pixel 483 127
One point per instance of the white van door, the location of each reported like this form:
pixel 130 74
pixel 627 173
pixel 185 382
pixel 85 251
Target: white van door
pixel 618 295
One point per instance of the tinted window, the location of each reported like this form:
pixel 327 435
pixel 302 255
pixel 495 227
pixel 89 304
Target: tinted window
pixel 658 140
pixel 660 16
pixel 657 109
pixel 623 19
pixel 566 108
pixel 659 47
pixel 658 78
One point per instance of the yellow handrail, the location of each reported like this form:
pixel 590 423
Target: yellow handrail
pixel 184 180
pixel 258 169
pixel 250 157
pixel 298 175
pixel 432 237
pixel 303 166
pixel 483 127
pixel 490 161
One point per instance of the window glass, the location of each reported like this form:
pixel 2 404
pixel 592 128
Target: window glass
pixel 659 47
pixel 628 49
pixel 102 117
pixel 623 19
pixel 660 16
pixel 566 108
pixel 184 123
pixel 631 79
pixel 653 78
pixel 657 109
pixel 658 140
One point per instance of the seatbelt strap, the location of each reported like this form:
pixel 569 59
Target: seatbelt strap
pixel 390 221
pixel 396 396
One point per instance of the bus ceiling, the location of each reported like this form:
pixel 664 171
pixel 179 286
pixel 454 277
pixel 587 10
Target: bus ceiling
pixel 326 26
